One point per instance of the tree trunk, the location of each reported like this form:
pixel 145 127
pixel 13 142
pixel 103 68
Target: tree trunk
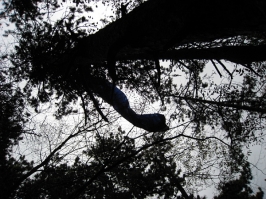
pixel 156 26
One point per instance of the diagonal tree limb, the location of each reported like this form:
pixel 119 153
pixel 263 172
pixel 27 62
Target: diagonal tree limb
pixel 213 63
pixel 115 97
pixel 84 108
pixel 96 104
pixel 225 68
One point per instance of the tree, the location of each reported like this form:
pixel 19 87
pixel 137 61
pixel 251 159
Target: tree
pixel 12 121
pixel 124 36
pixel 239 188
pixel 140 174
pixel 66 64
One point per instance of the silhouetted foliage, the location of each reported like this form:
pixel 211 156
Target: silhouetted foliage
pixel 65 62
pixel 115 170
pixel 12 120
pixel 239 188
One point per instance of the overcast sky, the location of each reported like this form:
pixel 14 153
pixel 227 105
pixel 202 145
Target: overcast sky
pixel 258 155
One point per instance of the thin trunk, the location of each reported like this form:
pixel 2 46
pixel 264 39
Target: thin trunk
pixel 226 104
pixel 236 54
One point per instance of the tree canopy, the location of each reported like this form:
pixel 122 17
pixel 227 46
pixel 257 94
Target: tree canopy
pixel 171 55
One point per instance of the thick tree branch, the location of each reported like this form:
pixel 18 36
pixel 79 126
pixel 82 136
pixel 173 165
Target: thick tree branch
pixel 116 98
